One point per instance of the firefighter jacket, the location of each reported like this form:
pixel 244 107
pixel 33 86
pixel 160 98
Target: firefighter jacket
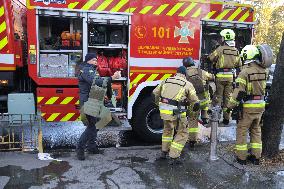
pixel 86 76
pixel 204 77
pixel 251 84
pixel 225 59
pixel 172 91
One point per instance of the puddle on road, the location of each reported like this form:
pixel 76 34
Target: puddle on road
pixel 23 179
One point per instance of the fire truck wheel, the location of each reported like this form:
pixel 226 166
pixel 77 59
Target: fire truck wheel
pixel 147 122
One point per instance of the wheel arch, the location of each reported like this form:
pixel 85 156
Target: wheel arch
pixel 143 90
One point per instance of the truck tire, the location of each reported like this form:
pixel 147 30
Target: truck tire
pixel 147 122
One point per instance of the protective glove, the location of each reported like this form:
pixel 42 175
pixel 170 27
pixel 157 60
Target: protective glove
pixel 196 107
pixel 228 110
pixel 209 111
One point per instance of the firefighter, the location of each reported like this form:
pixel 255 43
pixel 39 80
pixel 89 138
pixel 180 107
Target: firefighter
pixel 173 96
pixel 86 75
pixel 199 78
pixel 249 97
pixel 225 59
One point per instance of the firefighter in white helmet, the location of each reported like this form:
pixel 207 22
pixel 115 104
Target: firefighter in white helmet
pixel 225 59
pixel 249 97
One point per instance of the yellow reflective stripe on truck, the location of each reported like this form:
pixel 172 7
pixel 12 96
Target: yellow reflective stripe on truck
pixel 3 42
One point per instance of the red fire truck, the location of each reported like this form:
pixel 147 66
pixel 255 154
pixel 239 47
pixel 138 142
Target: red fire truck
pixel 41 41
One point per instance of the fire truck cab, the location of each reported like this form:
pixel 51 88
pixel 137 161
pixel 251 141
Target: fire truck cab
pixel 145 40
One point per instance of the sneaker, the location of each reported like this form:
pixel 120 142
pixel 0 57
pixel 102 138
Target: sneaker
pixel 242 162
pixel 253 160
pixel 226 121
pixel 175 161
pixel 81 154
pixel 94 151
pixel 163 156
pixel 191 144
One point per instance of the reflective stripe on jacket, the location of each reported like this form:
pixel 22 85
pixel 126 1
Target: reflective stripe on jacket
pixel 174 88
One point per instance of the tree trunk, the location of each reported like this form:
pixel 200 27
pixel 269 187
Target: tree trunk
pixel 274 115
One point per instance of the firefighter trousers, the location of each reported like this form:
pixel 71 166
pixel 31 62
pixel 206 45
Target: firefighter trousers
pixel 250 122
pixel 174 144
pixel 193 128
pixel 205 102
pixel 223 93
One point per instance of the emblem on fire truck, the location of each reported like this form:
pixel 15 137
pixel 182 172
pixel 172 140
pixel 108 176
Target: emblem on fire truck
pixel 184 32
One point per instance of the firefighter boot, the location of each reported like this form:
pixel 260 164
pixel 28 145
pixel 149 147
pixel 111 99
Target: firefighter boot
pixel 81 154
pixel 163 156
pixel 191 145
pixel 242 162
pixel 94 151
pixel 175 161
pixel 226 121
pixel 253 159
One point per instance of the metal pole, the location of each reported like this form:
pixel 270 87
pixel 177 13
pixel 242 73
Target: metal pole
pixel 40 146
pixel 214 120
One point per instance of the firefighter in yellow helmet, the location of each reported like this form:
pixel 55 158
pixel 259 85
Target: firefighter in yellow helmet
pixel 174 95
pixel 199 78
pixel 249 96
pixel 225 59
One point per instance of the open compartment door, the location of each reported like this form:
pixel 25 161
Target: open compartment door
pixel 211 39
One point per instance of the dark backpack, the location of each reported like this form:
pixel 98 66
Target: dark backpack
pixel 196 81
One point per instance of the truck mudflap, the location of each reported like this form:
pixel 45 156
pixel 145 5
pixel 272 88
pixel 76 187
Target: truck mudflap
pixel 58 104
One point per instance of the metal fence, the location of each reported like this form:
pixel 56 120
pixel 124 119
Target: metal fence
pixel 20 132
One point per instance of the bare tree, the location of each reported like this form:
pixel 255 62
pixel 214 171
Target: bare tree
pixel 274 115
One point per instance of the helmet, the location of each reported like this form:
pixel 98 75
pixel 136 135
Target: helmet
pixel 181 70
pixel 188 62
pixel 266 55
pixel 228 34
pixel 250 52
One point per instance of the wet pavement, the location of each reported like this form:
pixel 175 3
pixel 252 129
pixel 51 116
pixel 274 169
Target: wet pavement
pixel 131 163
pixel 136 167
pixel 21 179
